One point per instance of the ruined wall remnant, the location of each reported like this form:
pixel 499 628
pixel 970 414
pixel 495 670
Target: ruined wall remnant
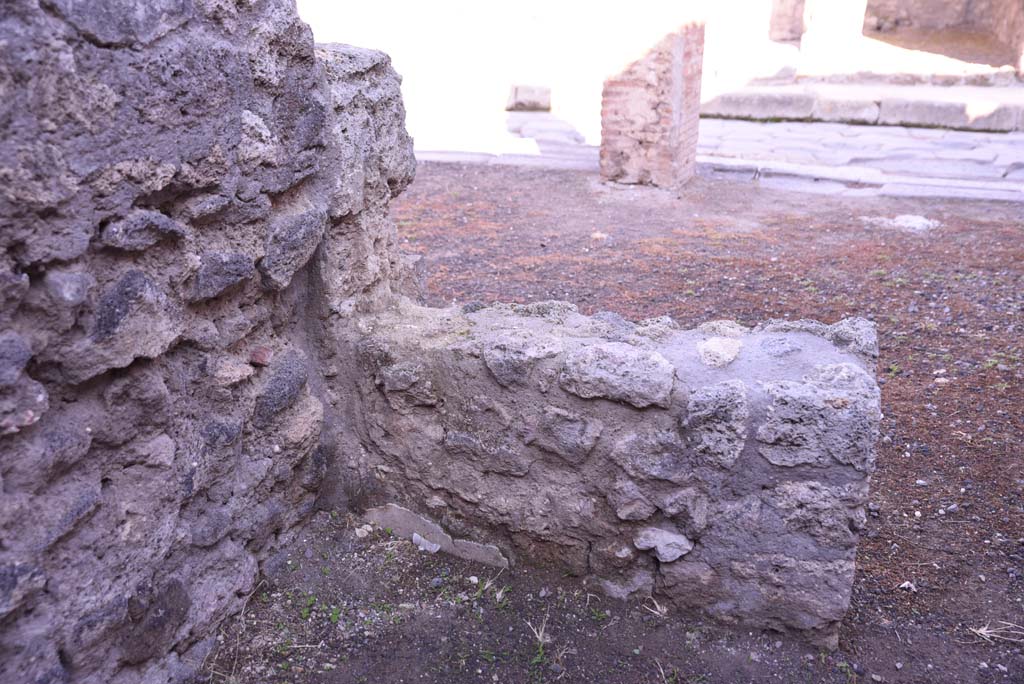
pixel 650 114
pixel 722 468
pixel 1003 20
pixel 889 14
pixel 202 341
pixel 787 20
pixel 186 190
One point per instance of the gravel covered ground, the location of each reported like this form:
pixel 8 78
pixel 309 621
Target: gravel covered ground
pixel 940 572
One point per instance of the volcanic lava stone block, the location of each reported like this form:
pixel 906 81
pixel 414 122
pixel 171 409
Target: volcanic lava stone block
pixel 731 482
pixel 188 188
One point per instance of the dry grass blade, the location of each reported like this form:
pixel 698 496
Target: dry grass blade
pixel 1005 631
pixel 658 609
pixel 670 677
pixel 540 633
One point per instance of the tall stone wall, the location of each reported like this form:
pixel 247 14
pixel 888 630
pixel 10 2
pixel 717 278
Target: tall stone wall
pixel 186 190
pixel 202 340
pixel 650 114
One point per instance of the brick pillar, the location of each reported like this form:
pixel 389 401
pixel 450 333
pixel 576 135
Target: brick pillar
pixel 787 20
pixel 650 113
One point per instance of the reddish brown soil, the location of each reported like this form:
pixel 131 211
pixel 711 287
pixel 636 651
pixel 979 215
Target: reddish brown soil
pixel 948 305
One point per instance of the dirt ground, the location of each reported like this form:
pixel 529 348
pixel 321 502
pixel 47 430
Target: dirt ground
pixel 940 570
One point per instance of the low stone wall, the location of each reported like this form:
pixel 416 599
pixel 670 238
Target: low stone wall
pixel 722 468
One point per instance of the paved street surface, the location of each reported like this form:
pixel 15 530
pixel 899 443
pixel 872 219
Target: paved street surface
pixel 892 149
pixel 814 157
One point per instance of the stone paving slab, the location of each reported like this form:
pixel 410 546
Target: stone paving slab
pixel 957 107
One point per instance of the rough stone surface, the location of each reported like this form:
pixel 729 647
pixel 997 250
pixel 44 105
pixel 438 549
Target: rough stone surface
pixel 701 481
pixel 846 111
pixel 291 240
pixel 218 272
pixel 967 107
pixel 153 155
pixel 566 434
pixel 204 340
pixel 140 229
pixel 619 372
pixel 718 352
pixel 717 416
pixel 650 113
pixel 840 395
pixel 666 545
pixel 749 104
pixel 405 523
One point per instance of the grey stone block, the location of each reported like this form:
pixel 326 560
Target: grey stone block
pixel 524 98
pixel 217 272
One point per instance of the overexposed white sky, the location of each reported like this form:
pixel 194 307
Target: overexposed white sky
pixel 459 58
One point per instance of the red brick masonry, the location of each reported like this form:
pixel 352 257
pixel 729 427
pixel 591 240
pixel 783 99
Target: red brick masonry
pixel 650 112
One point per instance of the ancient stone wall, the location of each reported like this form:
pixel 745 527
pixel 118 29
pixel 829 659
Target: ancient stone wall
pixel 188 189
pixel 885 14
pixel 1002 19
pixel 651 111
pixel 202 341
pixel 1005 20
pixel 722 468
pixel 787 20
